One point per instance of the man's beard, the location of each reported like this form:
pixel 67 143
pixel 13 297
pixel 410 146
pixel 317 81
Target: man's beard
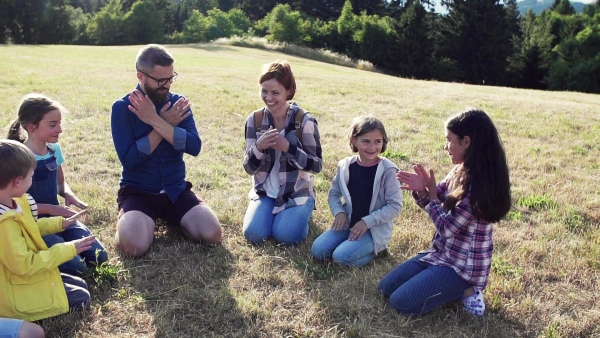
pixel 156 97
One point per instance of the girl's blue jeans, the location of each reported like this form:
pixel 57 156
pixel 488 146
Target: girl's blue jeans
pixel 288 227
pixel 334 244
pixel 415 287
pixel 77 265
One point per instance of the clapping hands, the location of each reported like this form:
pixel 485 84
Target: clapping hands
pixel 421 181
pixel 272 138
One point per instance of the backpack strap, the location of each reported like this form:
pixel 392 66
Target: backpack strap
pixel 298 123
pixel 258 117
pixel 260 113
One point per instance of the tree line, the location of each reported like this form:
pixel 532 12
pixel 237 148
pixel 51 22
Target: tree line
pixel 476 41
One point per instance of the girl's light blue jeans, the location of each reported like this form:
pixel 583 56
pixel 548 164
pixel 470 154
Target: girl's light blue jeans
pixel 288 227
pixel 334 244
pixel 415 287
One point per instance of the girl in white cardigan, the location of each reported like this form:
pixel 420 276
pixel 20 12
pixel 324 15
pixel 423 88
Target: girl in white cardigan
pixel 364 199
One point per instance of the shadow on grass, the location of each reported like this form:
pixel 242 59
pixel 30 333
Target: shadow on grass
pixel 353 306
pixel 184 287
pixel 177 289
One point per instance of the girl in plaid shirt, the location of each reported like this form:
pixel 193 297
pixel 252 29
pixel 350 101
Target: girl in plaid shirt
pixel 281 161
pixel 463 208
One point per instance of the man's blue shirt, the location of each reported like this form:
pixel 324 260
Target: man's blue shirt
pixel 164 168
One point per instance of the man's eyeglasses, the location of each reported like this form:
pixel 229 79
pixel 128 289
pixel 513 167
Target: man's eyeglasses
pixel 162 82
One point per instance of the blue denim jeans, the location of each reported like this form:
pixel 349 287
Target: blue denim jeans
pixel 334 244
pixel 10 328
pixel 77 265
pixel 415 287
pixel 76 288
pixel 288 227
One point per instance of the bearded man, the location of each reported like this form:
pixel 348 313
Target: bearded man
pixel 152 129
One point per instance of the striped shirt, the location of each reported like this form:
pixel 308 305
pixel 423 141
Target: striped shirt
pixel 461 241
pixel 303 159
pixel 17 208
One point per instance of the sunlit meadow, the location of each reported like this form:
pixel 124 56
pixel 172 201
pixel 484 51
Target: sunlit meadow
pixel 545 273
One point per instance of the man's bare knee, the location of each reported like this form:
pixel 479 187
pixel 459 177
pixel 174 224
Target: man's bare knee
pixel 213 235
pixel 132 249
pixel 201 224
pixel 135 233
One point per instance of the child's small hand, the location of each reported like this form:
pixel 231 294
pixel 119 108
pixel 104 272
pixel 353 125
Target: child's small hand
pixel 410 181
pixel 340 222
pixel 419 181
pixel 67 222
pixel 431 186
pixel 62 210
pixel 71 199
pixel 84 244
pixel 358 230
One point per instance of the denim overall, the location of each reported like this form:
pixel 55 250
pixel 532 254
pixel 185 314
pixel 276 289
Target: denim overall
pixel 44 190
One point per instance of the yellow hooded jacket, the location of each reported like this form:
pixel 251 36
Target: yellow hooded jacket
pixel 30 284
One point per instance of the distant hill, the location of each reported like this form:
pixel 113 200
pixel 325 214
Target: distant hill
pixel 539 5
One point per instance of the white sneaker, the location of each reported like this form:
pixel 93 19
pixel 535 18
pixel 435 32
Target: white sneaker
pixel 474 303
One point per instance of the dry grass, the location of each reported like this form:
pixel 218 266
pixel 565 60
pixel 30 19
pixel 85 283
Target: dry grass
pixel 544 281
pixel 323 55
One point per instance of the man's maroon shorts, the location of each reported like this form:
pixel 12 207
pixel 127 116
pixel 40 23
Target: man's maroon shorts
pixel 157 206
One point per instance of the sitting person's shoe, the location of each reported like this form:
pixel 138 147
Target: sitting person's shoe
pixel 474 303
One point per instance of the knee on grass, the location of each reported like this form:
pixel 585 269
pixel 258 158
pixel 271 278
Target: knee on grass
pixel 132 248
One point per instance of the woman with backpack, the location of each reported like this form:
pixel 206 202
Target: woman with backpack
pixel 283 151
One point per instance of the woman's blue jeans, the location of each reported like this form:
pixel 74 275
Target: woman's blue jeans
pixel 415 287
pixel 288 227
pixel 334 244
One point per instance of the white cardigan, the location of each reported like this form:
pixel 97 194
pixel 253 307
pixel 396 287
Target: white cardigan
pixel 386 202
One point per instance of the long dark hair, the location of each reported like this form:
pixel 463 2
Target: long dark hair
pixel 484 171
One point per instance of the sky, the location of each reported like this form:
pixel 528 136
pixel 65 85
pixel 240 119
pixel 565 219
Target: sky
pixel 440 9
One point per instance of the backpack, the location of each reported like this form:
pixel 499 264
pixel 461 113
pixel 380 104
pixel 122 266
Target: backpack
pixel 259 115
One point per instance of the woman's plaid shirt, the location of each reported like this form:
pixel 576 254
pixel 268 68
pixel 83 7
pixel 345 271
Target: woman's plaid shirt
pixel 296 166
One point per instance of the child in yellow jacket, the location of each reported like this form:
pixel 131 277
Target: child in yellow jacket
pixel 31 287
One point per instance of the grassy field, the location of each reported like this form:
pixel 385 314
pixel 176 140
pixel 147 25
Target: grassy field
pixel 545 273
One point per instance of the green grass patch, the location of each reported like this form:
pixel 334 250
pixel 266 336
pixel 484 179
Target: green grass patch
pixel 503 268
pixel 514 215
pixel 536 203
pixel 394 155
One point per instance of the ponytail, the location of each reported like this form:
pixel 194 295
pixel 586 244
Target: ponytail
pixel 16 132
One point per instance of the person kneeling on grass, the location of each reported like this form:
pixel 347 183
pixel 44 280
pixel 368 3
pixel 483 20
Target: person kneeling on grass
pixel 31 286
pixel 283 151
pixel 152 128
pixel 463 208
pixel 364 198
pixel 38 126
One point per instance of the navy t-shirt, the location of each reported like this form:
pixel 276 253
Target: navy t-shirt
pixel 360 186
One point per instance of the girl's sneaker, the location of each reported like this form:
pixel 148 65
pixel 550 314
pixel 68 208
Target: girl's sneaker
pixel 474 303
